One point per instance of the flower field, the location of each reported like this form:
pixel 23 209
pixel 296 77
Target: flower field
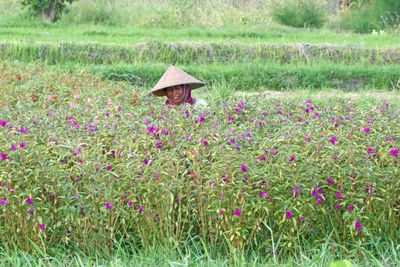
pixel 89 164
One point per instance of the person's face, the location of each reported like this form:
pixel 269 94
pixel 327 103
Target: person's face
pixel 175 94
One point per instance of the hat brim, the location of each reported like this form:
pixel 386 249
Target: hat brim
pixel 162 91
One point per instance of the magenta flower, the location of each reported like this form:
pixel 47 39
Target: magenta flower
pixel 370 150
pixel 130 203
pixel 329 181
pixel 159 144
pixel 108 168
pixel 3 156
pixel 3 202
pixel 108 205
pixel 202 118
pixel 292 158
pixel 358 225
pixel 314 192
pixel 262 158
pixel 339 195
pixel 320 200
pixel 394 152
pixel 140 209
pixel 165 132
pixel 351 208
pixel 30 211
pixel 212 184
pixel 289 215
pixel 42 227
pixel 221 212
pixel 237 212
pixel 263 194
pixel 333 140
pixel 241 104
pixel 22 145
pixel 295 192
pixel 274 152
pixel 29 201
pixel 307 139
pixel 205 142
pixel 367 130
pixel 347 118
pixel 244 168
pixel 13 147
pixel 3 123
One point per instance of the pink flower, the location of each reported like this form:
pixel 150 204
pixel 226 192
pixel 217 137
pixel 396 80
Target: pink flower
pixel 307 139
pixel 13 147
pixel 339 195
pixel 367 130
pixel 42 227
pixel 3 156
pixel 29 201
pixel 333 140
pixel 159 144
pixel 329 181
pixel 289 215
pixel 237 212
pixel 3 202
pixel 351 208
pixel 244 168
pixel 3 123
pixel 140 209
pixel 370 150
pixel 130 203
pixel 205 142
pixel 108 168
pixel 263 194
pixel 108 205
pixel 394 152
pixel 358 225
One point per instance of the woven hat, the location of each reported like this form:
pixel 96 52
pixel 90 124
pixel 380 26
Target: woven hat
pixel 173 77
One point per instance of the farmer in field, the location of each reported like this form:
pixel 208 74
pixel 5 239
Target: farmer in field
pixel 177 86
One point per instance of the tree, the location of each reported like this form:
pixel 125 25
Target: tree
pixel 48 9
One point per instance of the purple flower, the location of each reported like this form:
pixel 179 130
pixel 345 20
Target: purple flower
pixel 292 158
pixel 221 212
pixel 237 212
pixel 13 147
pixel 320 200
pixel 339 195
pixel 212 184
pixel 329 181
pixel 108 168
pixel 52 197
pixel 333 140
pixel 202 118
pixel 394 152
pixel 30 211
pixel 263 194
pixel 3 202
pixel 370 150
pixel 130 203
pixel 314 192
pixel 140 209
pixel 289 215
pixel 159 144
pixel 312 230
pixel 358 225
pixel 24 130
pixel 337 206
pixel 367 130
pixel 108 205
pixel 244 168
pixel 347 118
pixel 262 158
pixel 3 123
pixel 164 132
pixel 368 189
pixel 3 156
pixel 351 208
pixel 307 139
pixel 295 192
pixel 274 152
pixel 42 227
pixel 232 141
pixel 205 142
pixel 241 104
pixel 29 201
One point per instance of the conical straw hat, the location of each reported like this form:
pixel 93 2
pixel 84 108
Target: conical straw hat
pixel 173 77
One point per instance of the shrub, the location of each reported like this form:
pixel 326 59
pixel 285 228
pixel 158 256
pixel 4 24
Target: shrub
pixel 300 14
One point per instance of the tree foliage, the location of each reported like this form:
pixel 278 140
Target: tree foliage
pixel 48 9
